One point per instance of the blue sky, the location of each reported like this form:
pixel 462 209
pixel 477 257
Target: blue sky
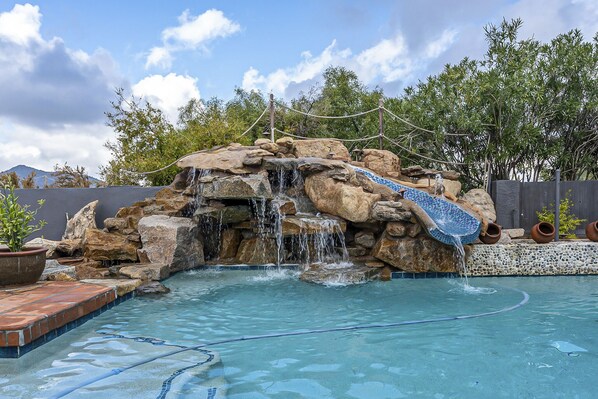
pixel 60 60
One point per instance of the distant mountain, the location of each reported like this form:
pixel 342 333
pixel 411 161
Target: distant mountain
pixel 42 178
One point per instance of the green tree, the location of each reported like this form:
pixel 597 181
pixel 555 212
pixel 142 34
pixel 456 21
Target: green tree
pixel 69 177
pixel 29 181
pixel 9 180
pixel 145 141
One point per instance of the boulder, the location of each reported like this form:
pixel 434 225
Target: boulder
pixel 131 214
pixel 235 160
pixel 391 211
pixel 152 288
pixel 171 202
pixel 386 193
pixel 417 171
pixel 305 165
pixel 257 251
pixel 49 245
pixel 331 274
pixel 69 247
pixel 381 161
pixel 83 220
pixel 375 263
pixel 323 224
pixel 453 187
pixel 413 229
pixel 450 175
pixel 54 271
pixel 270 147
pixel 259 142
pixel 116 224
pixel 99 245
pixel 481 200
pixel 229 243
pixel 88 270
pixel 416 255
pixel 145 272
pixel 321 148
pixel 284 206
pixel 339 198
pixel 397 229
pixel 122 286
pixel 238 187
pixel 365 239
pixel 223 214
pixel 285 142
pixel 171 240
pixel 356 252
pixel 181 180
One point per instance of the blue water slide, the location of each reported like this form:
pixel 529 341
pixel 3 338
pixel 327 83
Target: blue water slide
pixel 450 221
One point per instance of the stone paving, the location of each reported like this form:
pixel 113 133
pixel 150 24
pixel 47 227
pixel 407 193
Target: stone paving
pixel 36 313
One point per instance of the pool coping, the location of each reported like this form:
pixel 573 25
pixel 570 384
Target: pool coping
pixel 33 315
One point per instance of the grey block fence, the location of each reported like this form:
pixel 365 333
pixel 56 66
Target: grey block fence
pixel 61 202
pixel 516 203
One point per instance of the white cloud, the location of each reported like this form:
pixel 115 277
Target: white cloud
pixel 53 97
pixel 437 47
pixel 309 68
pixel 44 83
pixel 21 24
pixel 81 144
pixel 160 57
pixel 389 60
pixel 168 93
pixel 193 33
pixel 545 19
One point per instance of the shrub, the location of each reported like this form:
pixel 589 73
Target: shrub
pixel 568 222
pixel 16 220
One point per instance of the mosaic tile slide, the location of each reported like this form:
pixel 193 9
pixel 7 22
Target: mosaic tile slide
pixel 451 221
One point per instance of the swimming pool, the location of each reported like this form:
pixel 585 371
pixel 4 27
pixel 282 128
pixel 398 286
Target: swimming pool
pixel 544 349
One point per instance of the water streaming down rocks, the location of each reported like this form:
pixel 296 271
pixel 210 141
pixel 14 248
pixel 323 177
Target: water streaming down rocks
pixel 308 204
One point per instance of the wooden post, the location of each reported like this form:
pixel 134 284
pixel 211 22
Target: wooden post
pixel 272 117
pixel 557 203
pixel 380 123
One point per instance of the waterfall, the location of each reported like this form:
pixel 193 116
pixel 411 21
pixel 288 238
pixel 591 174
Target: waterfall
pixel 195 182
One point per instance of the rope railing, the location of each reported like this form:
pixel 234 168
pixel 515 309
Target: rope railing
pixel 405 121
pixel 326 116
pixel 420 155
pixel 254 123
pixel 380 136
pixel 332 138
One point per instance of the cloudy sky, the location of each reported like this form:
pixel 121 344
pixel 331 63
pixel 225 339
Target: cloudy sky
pixel 61 60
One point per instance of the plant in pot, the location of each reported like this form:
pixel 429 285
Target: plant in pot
pixel 568 222
pixel 18 265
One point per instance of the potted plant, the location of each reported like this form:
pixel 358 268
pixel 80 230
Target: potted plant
pixel 18 265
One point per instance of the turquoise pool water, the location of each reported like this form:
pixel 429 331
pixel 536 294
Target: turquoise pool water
pixel 544 349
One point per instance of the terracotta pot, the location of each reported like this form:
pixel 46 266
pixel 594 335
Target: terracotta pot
pixel 493 233
pixel 592 231
pixel 19 268
pixel 543 232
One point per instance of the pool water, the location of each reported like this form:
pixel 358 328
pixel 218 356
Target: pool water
pixel 545 349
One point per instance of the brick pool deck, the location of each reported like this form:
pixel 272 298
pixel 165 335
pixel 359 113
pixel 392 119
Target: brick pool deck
pixel 35 314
